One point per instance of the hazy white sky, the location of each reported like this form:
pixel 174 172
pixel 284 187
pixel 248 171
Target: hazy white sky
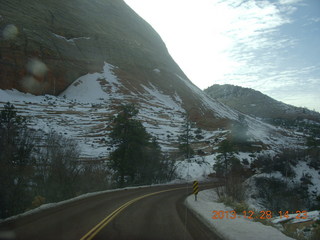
pixel 269 45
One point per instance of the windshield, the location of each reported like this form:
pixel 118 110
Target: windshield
pixel 143 119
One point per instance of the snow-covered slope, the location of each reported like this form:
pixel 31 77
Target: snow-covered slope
pixel 84 109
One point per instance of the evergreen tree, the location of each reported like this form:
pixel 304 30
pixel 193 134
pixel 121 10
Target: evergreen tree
pixel 224 160
pixel 186 137
pixel 198 133
pixel 137 158
pixel 16 164
pixel 230 168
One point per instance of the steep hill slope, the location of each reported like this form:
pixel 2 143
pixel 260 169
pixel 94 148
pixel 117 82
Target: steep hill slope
pixel 73 38
pixel 93 56
pixel 68 39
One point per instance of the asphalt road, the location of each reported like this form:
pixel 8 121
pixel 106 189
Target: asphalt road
pixel 143 213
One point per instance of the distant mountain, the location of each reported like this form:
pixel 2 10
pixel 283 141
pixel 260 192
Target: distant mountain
pixel 257 104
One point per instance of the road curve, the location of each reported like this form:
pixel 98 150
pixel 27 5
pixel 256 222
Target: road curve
pixel 143 213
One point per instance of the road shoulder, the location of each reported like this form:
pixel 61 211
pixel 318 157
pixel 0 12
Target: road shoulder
pixel 230 229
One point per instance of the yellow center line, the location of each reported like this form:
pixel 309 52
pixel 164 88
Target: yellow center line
pixel 96 229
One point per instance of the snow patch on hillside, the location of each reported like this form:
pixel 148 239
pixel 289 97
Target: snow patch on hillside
pixel 85 89
pixel 301 170
pixel 71 40
pixel 218 108
pixel 14 96
pixel 90 87
pixel 161 99
pixel 112 79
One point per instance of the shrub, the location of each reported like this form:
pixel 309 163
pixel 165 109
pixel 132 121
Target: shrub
pixel 281 163
pixel 277 195
pixel 38 201
pixel 240 207
pixel 316 232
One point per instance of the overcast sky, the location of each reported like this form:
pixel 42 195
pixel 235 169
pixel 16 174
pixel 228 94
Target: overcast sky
pixel 269 45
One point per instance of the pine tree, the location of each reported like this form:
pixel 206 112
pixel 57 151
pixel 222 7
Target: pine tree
pixel 198 133
pixel 137 157
pixel 224 159
pixel 186 138
pixel 230 168
pixel 16 164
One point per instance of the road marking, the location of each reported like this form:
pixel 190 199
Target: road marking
pixel 96 229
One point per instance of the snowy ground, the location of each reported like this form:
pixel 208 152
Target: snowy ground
pixel 83 111
pixel 298 218
pixel 238 228
pixel 198 168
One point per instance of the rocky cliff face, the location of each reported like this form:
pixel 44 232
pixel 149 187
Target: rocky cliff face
pixel 73 38
pixel 52 43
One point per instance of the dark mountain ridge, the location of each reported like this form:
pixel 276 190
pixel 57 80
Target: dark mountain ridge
pixel 257 104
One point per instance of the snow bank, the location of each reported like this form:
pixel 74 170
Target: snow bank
pixel 298 218
pixel 237 229
pixel 197 168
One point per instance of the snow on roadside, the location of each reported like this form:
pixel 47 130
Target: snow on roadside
pixel 238 228
pixel 298 218
pixel 198 168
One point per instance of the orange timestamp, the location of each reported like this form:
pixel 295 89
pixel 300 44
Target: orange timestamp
pixel 257 215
